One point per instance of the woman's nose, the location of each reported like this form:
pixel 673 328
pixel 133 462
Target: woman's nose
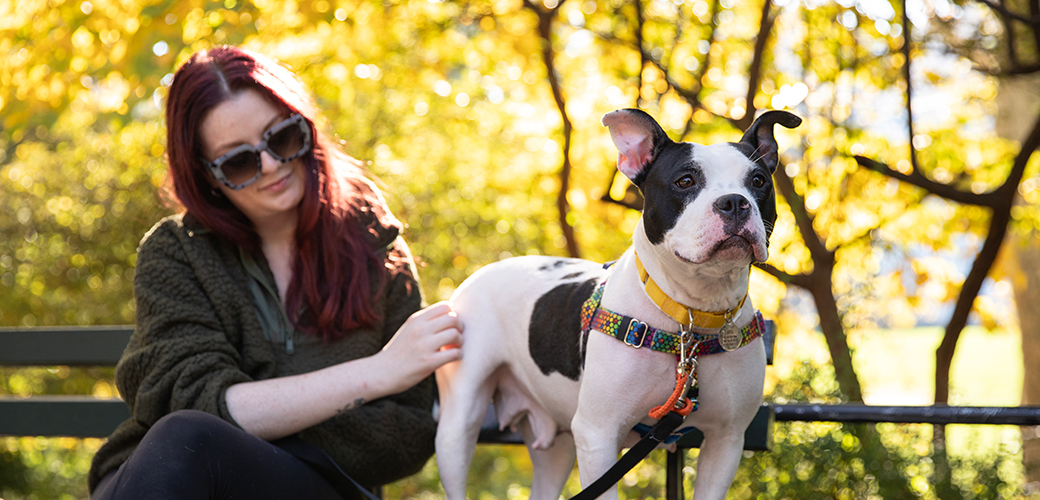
pixel 267 162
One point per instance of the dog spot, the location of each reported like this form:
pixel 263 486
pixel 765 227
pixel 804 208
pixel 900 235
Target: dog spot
pixel 558 264
pixel 571 276
pixel 554 339
pixel 765 198
pixel 664 201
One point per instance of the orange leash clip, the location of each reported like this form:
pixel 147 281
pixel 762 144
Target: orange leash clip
pixel 675 400
pixel 685 368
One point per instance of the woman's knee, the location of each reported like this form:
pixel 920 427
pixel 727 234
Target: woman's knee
pixel 175 455
pixel 190 426
pixel 194 434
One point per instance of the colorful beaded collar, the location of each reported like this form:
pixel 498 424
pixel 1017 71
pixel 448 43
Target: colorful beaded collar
pixel 638 334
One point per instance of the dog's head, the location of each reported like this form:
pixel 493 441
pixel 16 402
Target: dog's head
pixel 702 203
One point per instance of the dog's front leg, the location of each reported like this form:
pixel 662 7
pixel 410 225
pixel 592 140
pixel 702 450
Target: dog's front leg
pixel 597 440
pixel 617 389
pixel 730 394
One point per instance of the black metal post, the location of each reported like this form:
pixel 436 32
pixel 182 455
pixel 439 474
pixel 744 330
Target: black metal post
pixel 673 486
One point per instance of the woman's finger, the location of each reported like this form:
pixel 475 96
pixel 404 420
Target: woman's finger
pixel 446 355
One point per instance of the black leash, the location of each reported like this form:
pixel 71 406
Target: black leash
pixel 658 433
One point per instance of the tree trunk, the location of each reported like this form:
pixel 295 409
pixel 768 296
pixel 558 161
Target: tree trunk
pixel 1024 254
pixel 545 22
pixel 1018 103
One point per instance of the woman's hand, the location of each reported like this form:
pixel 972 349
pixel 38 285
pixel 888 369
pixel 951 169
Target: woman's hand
pixel 428 339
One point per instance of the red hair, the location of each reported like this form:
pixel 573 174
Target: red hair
pixel 341 212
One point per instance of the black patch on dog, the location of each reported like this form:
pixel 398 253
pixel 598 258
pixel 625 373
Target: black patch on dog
pixel 759 144
pixel 765 195
pixel 558 264
pixel 555 333
pixel 571 276
pixel 664 199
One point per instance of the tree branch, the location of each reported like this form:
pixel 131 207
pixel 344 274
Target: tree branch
pixel 1016 70
pixel 643 56
pixel 799 280
pixel 545 19
pixel 692 95
pixel 819 283
pixel 914 165
pixel 1006 191
pixel 1034 9
pixel 917 179
pixel 996 199
pixel 1004 11
pixel 765 27
pixel 803 219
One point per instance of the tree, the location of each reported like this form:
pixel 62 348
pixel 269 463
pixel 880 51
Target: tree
pixel 1015 34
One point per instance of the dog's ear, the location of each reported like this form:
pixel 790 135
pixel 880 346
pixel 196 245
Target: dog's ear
pixel 638 138
pixel 760 136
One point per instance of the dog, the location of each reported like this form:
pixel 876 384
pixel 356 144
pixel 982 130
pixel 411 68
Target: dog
pixel 707 216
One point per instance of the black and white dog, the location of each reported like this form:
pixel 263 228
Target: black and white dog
pixel 578 392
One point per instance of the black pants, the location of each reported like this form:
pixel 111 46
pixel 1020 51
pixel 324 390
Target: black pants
pixel 194 455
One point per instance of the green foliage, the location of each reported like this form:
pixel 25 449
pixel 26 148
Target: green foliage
pixel 45 468
pixel 77 199
pixel 827 460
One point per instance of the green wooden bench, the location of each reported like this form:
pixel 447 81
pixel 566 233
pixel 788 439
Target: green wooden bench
pixel 86 416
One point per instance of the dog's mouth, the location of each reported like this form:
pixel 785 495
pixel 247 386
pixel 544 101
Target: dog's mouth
pixel 684 259
pixel 735 247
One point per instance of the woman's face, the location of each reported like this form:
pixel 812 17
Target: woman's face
pixel 273 199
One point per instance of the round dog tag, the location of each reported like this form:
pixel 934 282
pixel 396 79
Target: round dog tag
pixel 729 336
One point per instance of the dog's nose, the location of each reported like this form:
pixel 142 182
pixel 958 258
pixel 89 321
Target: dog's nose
pixel 732 207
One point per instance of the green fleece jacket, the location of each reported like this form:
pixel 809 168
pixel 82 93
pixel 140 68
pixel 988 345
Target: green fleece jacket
pixel 198 333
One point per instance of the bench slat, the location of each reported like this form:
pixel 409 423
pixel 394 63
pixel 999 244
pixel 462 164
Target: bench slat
pixel 73 416
pixel 103 345
pixel 74 345
pixel 85 416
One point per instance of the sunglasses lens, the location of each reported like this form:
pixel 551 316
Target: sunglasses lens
pixel 240 168
pixel 287 142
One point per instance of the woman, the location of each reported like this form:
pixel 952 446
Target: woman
pixel 280 346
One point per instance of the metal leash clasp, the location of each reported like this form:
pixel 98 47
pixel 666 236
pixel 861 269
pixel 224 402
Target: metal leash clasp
pixel 687 347
pixel 687 365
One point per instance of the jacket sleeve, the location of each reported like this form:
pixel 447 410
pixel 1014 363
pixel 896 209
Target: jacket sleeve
pixel 182 353
pixel 391 437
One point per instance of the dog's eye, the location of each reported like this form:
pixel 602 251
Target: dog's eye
pixel 685 182
pixel 758 180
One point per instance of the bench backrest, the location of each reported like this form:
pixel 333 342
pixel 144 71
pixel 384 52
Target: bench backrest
pixel 86 416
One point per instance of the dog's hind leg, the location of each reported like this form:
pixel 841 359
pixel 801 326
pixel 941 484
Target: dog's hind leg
pixel 552 466
pixel 463 404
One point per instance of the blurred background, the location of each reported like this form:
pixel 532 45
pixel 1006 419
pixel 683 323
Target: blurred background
pixel 904 268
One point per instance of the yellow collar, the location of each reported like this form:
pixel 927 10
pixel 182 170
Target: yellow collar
pixel 684 315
